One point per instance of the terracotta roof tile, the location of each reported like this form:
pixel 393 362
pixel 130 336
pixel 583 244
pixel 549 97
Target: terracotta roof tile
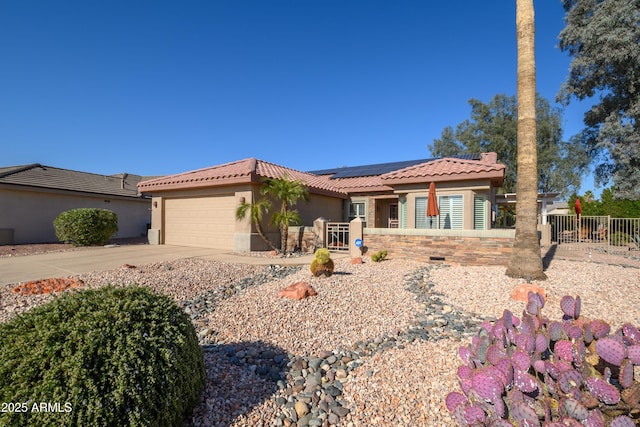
pixel 446 169
pixel 238 172
pixel 253 171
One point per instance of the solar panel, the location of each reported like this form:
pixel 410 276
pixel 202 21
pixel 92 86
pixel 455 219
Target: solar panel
pixel 382 168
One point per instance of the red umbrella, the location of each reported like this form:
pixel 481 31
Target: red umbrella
pixel 432 203
pixel 578 209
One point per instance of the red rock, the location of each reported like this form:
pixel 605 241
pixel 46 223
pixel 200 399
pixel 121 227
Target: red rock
pixel 521 292
pixel 298 290
pixel 47 286
pixel 357 260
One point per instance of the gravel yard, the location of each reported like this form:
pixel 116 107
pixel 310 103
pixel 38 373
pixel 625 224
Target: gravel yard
pixel 376 346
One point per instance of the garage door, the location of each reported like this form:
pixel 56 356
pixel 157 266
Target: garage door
pixel 200 221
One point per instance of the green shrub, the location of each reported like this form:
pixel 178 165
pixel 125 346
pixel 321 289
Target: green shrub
pixel 379 256
pixel 117 356
pixel 322 264
pixel 86 226
pixel 620 239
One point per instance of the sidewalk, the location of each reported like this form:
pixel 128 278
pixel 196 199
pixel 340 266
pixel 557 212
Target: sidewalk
pixel 19 269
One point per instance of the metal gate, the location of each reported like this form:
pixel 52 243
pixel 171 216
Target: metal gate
pixel 337 236
pixel 595 233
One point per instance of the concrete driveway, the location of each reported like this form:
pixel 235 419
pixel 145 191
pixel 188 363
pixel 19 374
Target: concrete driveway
pixel 14 270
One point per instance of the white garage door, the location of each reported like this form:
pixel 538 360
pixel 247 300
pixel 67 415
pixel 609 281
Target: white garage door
pixel 200 221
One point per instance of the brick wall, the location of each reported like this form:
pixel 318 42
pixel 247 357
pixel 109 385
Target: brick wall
pixel 465 247
pixel 302 238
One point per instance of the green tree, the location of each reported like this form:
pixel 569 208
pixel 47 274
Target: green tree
pixel 525 260
pixel 603 39
pixel 607 205
pixel 493 127
pixel 288 192
pixel 256 211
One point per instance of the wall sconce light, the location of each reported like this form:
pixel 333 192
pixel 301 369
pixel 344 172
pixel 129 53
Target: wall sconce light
pixel 155 204
pixel 242 200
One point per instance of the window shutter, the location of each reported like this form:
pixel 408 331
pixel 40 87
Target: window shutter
pixel 403 212
pixel 421 213
pixel 479 212
pixel 451 212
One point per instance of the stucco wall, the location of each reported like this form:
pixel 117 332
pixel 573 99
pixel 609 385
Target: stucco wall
pixel 245 236
pixel 31 213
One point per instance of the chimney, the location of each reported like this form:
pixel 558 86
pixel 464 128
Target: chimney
pixel 122 180
pixel 491 157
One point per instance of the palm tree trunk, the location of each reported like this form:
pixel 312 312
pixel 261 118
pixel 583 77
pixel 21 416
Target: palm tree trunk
pixel 284 230
pixel 264 236
pixel 526 260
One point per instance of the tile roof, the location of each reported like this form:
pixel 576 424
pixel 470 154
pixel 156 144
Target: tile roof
pixel 339 181
pixel 239 172
pixel 446 169
pixel 37 175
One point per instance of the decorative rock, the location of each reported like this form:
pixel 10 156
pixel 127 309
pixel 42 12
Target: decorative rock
pixel 521 292
pixel 340 411
pixel 298 291
pixel 357 260
pixel 47 286
pixel 301 409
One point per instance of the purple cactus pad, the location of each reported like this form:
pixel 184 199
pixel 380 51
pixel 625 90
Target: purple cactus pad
pixel 611 350
pixel 454 399
pixel 602 390
pixel 632 332
pixel 625 377
pixel 569 380
pixel 599 328
pixel 575 409
pixel 487 387
pixel 633 352
pixel 622 421
pixel 564 350
pixel 568 306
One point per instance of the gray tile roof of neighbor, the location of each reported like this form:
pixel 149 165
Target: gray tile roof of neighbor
pixel 41 176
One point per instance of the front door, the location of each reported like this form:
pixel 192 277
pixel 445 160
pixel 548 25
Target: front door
pixel 393 216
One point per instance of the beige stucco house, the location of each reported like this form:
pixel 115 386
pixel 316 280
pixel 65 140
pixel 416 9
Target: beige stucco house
pixel 197 208
pixel 32 196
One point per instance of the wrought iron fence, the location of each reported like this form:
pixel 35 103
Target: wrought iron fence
pixel 337 236
pixel 595 232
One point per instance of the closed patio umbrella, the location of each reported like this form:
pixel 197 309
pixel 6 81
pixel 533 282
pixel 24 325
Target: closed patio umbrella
pixel 578 209
pixel 432 203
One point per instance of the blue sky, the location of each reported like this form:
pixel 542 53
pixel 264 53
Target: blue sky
pixel 161 87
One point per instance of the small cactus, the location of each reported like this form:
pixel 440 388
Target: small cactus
pixel 322 264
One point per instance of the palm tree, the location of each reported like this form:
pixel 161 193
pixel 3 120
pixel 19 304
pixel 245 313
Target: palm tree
pixel 288 192
pixel 256 211
pixel 526 260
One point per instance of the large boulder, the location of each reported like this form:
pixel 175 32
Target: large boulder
pixel 298 290
pixel 521 292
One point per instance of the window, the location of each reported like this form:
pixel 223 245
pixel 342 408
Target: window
pixel 479 212
pixel 403 212
pixel 422 220
pixel 356 210
pixel 450 212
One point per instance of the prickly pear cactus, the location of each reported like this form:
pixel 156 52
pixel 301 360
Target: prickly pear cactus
pixel 531 371
pixel 322 264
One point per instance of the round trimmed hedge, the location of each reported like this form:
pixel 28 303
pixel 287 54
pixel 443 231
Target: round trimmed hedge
pixel 116 356
pixel 86 226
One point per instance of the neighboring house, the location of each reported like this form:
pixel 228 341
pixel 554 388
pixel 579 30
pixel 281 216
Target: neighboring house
pixel 32 196
pixel 197 208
